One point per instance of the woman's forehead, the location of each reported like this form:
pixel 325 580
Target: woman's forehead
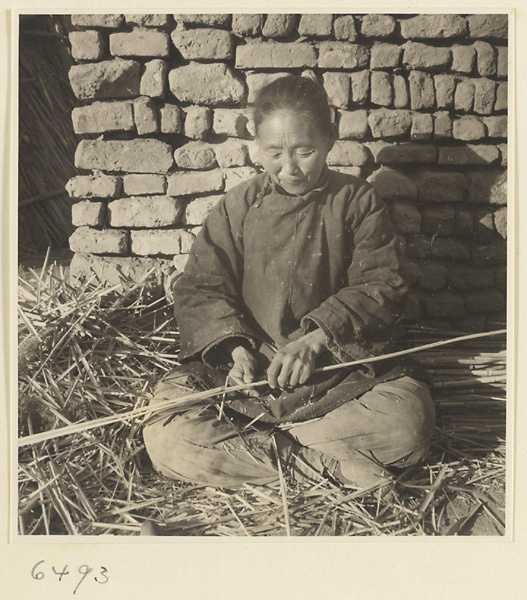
pixel 282 125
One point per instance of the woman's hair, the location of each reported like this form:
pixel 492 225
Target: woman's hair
pixel 296 94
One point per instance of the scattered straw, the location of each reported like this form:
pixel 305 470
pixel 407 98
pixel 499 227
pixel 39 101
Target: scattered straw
pixel 97 360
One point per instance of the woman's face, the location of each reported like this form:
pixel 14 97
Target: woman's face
pixel 293 151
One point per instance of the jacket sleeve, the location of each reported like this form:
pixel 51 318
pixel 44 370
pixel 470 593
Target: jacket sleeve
pixel 207 302
pixel 359 319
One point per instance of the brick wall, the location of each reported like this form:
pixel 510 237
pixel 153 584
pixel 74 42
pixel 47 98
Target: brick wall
pixel 421 107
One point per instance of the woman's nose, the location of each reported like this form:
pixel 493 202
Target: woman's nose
pixel 289 163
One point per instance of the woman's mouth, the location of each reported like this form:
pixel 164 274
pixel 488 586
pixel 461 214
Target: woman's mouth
pixel 292 181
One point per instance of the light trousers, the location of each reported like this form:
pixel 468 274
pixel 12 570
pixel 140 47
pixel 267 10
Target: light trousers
pixel 390 425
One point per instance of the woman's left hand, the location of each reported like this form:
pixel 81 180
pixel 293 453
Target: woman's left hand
pixel 294 364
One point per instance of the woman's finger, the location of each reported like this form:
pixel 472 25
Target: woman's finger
pixel 306 373
pixel 274 370
pixel 296 371
pixel 285 372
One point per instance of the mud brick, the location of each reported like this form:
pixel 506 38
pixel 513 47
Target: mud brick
pixel 484 225
pixel 441 186
pixel 406 153
pixel 360 86
pixel 393 185
pixel 422 126
pixel 502 61
pixel 468 129
pixel 377 26
pixel 150 242
pixel 388 123
pixel 342 55
pixel 381 88
pixel 87 45
pixel 209 84
pixel 278 25
pixel 463 59
pixel 464 223
pixel 188 183
pixel 438 220
pixel 488 187
pixel 338 88
pixel 490 254
pixel 198 122
pixel 470 154
pixel 501 97
pixel 442 125
pixel 484 96
pixel 256 81
pixel 88 212
pixel 429 247
pixel 140 42
pixel 145 116
pixel 198 210
pixel 204 19
pixel 93 241
pixel 157 20
pixel 247 24
pixel 424 27
pixel 500 221
pixel 142 185
pixel 445 86
pixel 230 122
pixel 154 79
pixel 171 118
pixel 433 275
pixel 115 78
pixel 425 57
pixel 488 26
pixel 422 93
pixel 315 25
pixel 101 117
pixel 344 28
pixel 94 186
pixel 275 55
pixel 102 21
pixel 231 153
pixel 203 44
pixel 353 124
pixel 384 56
pixel 145 211
pixel 487 59
pixel 195 156
pixel 401 98
pixel 132 156
pixel 464 96
pixel 347 153
pixel 463 277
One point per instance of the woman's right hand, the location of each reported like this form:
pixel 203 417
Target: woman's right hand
pixel 244 369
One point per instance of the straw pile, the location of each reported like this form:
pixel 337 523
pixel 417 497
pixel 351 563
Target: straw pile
pixel 46 139
pixel 84 354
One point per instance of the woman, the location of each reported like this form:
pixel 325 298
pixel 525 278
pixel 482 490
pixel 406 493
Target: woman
pixel 295 269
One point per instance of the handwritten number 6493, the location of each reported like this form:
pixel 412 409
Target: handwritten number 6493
pixel 37 572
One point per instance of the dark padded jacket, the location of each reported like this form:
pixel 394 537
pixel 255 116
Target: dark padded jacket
pixel 267 267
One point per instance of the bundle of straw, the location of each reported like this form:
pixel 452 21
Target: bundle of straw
pixel 46 139
pixel 86 355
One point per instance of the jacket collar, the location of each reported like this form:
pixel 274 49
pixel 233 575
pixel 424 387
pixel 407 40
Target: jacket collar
pixel 271 187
